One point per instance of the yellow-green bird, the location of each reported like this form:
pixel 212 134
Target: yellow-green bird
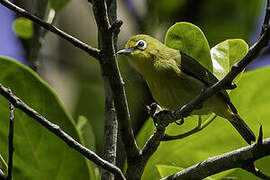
pixel 175 78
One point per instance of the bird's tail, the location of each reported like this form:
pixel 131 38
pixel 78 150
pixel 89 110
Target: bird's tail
pixel 242 128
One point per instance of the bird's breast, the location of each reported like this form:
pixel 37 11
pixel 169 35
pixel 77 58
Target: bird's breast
pixel 173 90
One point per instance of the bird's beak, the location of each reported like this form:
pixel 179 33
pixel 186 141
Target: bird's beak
pixel 125 51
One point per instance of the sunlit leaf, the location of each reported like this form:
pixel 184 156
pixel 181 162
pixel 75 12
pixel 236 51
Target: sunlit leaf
pixel 166 170
pixel 189 39
pixel 226 54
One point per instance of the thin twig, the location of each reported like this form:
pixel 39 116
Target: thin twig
pixel 250 167
pixel 55 129
pixel 10 141
pixel 76 42
pixel 267 17
pixel 234 159
pixel 198 128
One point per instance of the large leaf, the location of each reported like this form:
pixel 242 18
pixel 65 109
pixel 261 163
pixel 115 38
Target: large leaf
pixel 189 39
pixel 226 54
pixel 252 99
pixel 167 170
pixel 39 154
pixel 88 140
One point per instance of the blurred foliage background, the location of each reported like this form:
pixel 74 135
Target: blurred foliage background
pixel 76 77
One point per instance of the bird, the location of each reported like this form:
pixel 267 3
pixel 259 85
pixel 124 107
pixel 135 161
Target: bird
pixel 175 78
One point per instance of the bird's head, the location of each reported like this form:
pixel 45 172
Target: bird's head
pixel 144 51
pixel 141 47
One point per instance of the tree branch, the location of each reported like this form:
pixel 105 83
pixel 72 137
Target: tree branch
pixel 241 158
pixel 198 128
pixel 110 131
pixel 252 169
pixel 10 141
pixel 267 17
pixel 76 42
pixel 110 71
pixel 55 129
pixel 111 124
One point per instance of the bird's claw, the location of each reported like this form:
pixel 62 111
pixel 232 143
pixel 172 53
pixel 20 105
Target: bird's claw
pixel 159 116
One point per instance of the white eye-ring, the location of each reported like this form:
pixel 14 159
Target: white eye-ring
pixel 141 45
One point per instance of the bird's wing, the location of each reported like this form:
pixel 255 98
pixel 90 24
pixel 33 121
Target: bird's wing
pixel 193 68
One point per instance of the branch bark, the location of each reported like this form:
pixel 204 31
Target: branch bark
pixel 111 124
pixel 110 70
pixel 55 129
pixel 239 158
pixel 10 141
pixel 110 131
pixel 76 42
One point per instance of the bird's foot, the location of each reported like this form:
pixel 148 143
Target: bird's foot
pixel 153 109
pixel 158 117
pixel 156 112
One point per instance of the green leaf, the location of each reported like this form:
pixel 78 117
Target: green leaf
pixel 251 98
pixel 167 170
pixel 58 5
pixel 86 132
pixel 226 54
pixel 39 154
pixel 189 39
pixel 88 140
pixel 23 28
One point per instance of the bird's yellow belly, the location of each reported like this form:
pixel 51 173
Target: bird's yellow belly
pixel 177 91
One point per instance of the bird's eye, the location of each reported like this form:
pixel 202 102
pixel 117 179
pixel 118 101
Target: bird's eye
pixel 141 44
